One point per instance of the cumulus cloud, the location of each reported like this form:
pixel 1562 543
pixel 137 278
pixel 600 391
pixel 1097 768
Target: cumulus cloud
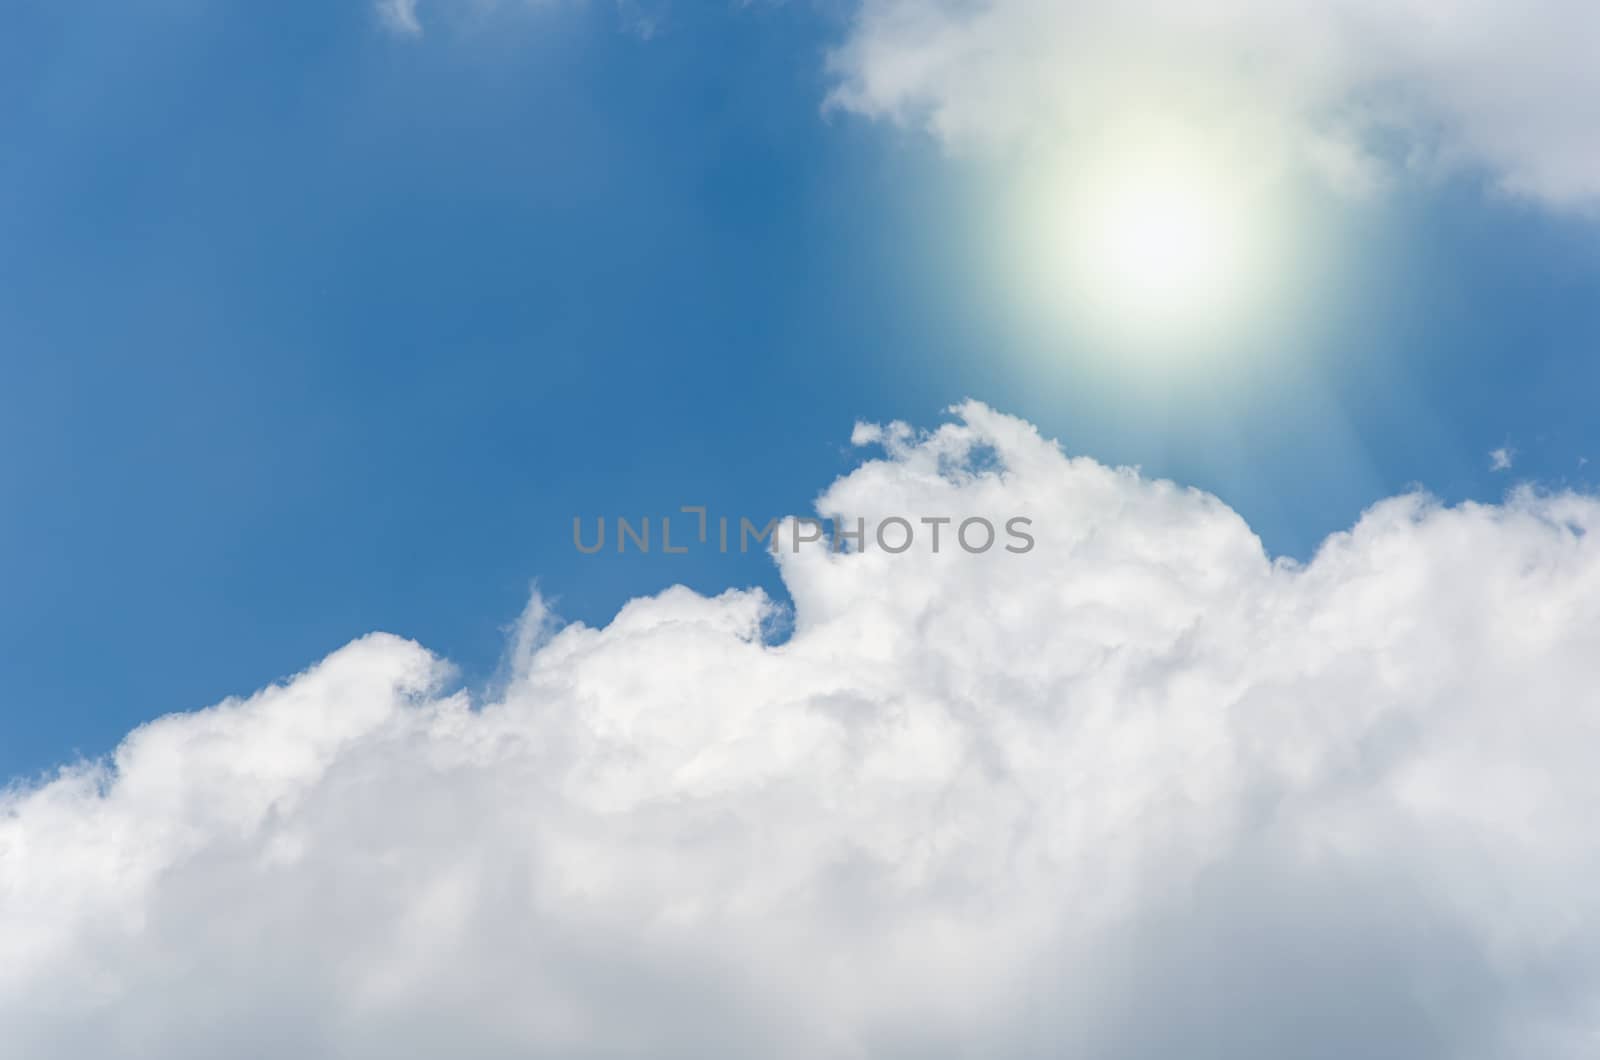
pixel 1357 89
pixel 1501 459
pixel 1140 792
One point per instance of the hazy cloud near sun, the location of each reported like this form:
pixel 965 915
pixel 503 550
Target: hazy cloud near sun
pixel 1357 89
pixel 1140 792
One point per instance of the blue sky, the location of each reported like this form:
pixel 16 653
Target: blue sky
pixel 320 323
pixel 312 328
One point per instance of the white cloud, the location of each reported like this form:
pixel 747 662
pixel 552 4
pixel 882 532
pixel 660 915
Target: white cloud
pixel 1501 459
pixel 643 18
pixel 1355 88
pixel 1140 792
pixel 400 16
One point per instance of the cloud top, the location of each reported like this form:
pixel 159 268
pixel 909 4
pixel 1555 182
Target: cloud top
pixel 1140 792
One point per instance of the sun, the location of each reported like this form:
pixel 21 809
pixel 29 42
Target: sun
pixel 1158 237
pixel 1159 243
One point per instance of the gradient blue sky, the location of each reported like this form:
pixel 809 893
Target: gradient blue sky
pixel 311 329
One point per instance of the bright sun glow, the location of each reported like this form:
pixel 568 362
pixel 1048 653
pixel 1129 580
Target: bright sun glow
pixel 1152 237
pixel 1160 243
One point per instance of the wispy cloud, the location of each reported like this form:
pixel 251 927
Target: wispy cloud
pixel 400 15
pixel 642 18
pixel 1501 459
